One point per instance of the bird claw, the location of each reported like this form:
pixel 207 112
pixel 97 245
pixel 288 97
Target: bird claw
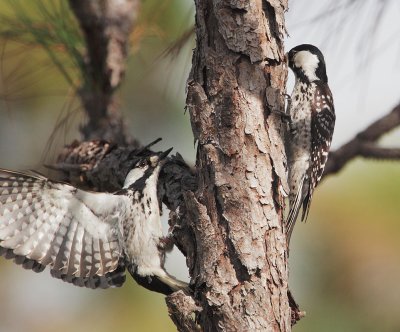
pixel 166 243
pixel 283 115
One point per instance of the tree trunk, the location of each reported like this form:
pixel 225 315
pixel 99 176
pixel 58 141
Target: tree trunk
pixel 238 262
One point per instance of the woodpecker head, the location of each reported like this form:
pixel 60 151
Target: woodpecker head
pixel 307 63
pixel 146 169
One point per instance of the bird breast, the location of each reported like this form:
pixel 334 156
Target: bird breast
pixel 142 232
pixel 300 121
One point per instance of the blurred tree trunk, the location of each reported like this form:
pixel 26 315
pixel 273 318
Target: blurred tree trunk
pixel 106 25
pixel 239 261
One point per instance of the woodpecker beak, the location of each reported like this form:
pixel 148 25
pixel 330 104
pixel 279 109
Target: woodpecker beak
pixel 164 154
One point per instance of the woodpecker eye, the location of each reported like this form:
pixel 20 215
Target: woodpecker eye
pixel 142 163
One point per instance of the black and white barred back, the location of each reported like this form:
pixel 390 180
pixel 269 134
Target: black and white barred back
pixel 312 120
pixel 86 238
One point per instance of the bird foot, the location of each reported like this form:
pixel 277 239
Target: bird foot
pixel 166 243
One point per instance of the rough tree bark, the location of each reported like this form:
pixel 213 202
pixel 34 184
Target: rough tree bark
pixel 239 262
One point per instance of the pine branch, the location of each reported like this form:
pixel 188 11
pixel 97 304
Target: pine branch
pixel 365 144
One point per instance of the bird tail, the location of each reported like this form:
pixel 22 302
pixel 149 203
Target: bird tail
pixel 173 283
pixel 294 212
pixel 160 281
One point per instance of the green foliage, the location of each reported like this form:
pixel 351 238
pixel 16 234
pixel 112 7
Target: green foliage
pixel 50 26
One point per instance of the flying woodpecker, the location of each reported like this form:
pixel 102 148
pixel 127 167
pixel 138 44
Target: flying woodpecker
pixel 312 120
pixel 87 238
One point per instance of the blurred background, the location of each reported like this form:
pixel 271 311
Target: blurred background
pixel 344 262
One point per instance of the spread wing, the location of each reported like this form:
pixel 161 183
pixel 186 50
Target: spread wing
pixel 76 233
pixel 322 126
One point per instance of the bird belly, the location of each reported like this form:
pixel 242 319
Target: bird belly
pixel 298 166
pixel 299 143
pixel 142 239
pixel 142 249
pixel 298 146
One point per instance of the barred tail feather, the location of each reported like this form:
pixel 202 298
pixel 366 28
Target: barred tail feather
pixel 294 212
pixel 159 281
pixel 306 205
pixel 173 283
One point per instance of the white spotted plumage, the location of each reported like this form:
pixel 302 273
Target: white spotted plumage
pixel 58 225
pixel 86 238
pixel 312 119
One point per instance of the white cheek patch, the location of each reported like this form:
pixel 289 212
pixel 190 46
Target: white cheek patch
pixel 134 175
pixel 308 62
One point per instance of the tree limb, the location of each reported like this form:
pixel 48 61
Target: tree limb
pixel 101 166
pixel 365 144
pixel 106 25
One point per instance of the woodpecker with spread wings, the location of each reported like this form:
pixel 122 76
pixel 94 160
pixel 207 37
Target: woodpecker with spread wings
pixel 312 121
pixel 87 238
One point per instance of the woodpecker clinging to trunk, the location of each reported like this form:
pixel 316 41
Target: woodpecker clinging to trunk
pixel 87 238
pixel 312 120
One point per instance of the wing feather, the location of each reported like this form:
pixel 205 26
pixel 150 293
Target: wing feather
pixel 75 232
pixel 322 126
